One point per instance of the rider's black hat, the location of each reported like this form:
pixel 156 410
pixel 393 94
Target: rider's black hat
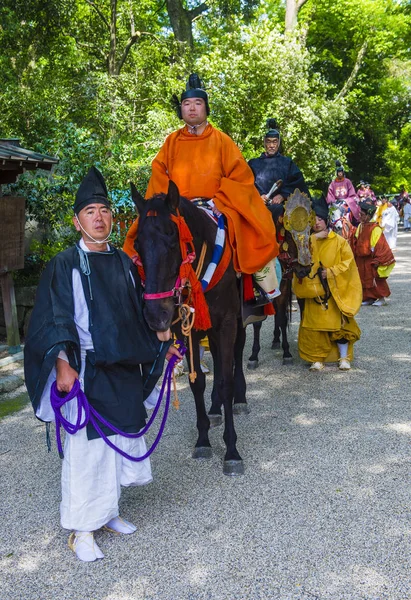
pixel 194 89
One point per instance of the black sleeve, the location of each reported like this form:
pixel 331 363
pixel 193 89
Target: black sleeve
pixel 294 180
pixel 51 327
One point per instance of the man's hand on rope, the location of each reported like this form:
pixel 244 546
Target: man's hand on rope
pixel 173 351
pixel 65 377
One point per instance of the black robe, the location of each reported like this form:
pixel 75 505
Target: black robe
pixel 127 359
pixel 269 169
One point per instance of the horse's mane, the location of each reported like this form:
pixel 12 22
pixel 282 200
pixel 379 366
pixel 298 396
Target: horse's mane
pixel 199 223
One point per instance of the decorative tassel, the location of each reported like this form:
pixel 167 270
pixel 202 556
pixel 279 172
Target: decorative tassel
pixel 202 315
pixel 269 309
pixel 176 401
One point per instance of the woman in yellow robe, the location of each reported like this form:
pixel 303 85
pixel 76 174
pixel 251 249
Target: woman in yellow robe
pixel 328 329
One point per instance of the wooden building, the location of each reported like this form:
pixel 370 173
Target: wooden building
pixel 14 160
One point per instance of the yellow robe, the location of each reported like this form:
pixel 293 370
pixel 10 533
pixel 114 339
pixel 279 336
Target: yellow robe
pixel 320 327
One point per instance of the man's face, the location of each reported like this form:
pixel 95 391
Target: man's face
pixel 193 111
pixel 271 145
pixel 340 175
pixel 320 225
pixel 96 220
pixel 364 217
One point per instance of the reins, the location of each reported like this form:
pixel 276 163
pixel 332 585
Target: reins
pixel 87 414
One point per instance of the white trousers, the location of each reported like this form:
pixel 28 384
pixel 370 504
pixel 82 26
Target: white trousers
pixel 92 476
pixel 92 473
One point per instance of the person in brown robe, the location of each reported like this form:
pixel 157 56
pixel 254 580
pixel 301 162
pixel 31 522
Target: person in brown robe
pixel 373 256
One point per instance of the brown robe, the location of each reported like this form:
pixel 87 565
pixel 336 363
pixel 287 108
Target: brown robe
pixel 368 260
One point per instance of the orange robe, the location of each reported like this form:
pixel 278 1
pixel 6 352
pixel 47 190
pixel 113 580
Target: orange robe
pixel 211 166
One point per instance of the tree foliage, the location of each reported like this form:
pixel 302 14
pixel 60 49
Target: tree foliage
pixel 91 83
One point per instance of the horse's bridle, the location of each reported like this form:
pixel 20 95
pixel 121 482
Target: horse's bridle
pixel 176 290
pixel 288 264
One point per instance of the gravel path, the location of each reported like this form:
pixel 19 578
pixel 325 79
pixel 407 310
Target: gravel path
pixel 323 510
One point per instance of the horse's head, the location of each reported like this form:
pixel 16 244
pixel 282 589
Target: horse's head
pixel 158 246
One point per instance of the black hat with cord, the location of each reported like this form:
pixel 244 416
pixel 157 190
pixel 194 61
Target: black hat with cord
pixel 194 89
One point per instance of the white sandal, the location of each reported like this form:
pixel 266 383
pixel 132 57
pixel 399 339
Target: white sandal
pixel 119 525
pixel 84 546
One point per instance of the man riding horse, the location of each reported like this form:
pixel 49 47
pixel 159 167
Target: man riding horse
pixel 205 163
pixel 271 166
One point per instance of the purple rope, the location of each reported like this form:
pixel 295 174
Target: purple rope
pixel 92 416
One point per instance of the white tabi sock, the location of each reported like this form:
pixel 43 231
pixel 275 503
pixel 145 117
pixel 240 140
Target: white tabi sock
pixel 84 545
pixel 119 525
pixel 343 349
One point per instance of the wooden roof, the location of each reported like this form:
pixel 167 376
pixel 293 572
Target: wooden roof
pixel 15 160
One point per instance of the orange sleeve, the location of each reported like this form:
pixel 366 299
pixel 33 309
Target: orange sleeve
pixel 159 176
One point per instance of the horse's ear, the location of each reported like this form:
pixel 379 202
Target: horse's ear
pixel 137 198
pixel 173 196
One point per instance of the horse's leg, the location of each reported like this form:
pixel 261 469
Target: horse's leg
pixel 225 339
pixel 253 360
pixel 203 447
pixel 277 338
pixel 278 329
pixel 215 413
pixel 284 311
pixel 240 402
pixel 233 464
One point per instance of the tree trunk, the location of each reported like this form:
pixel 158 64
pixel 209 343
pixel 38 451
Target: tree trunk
pixel 350 81
pixel 181 21
pixel 112 67
pixel 292 9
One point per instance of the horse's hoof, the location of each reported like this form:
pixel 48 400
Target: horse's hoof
pixel 252 364
pixel 275 345
pixel 215 420
pixel 203 452
pixel 241 408
pixel 233 468
pixel 288 360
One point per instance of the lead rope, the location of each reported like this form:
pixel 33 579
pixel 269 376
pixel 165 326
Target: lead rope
pixel 186 315
pixel 87 414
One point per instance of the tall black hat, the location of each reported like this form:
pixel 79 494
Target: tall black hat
pixel 320 207
pixel 272 131
pixel 92 190
pixel 338 167
pixel 194 89
pixel 368 207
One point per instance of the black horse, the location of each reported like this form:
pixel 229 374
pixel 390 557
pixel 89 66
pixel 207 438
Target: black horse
pixel 289 261
pixel 157 244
